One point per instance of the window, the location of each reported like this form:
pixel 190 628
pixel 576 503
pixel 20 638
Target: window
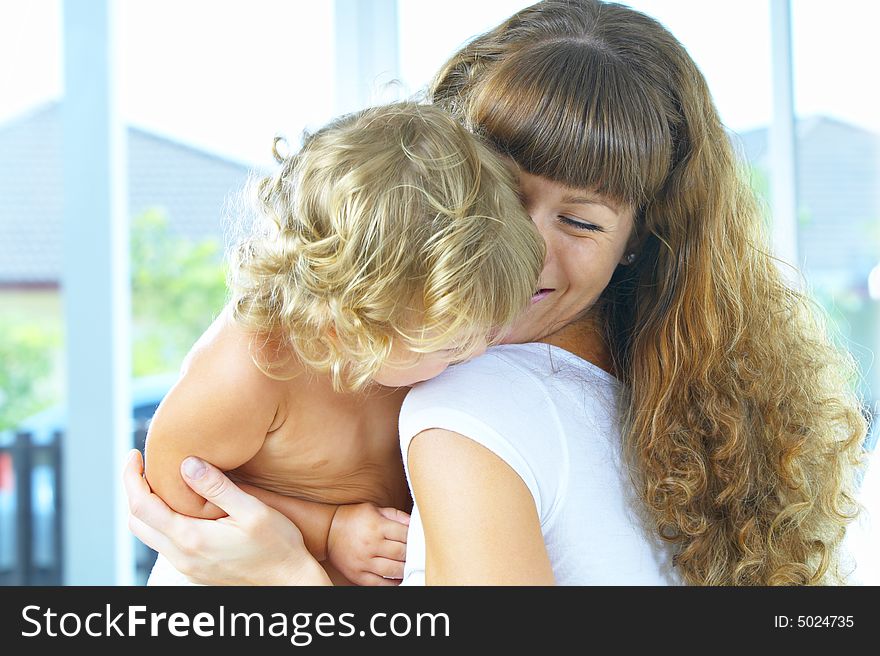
pixel 838 169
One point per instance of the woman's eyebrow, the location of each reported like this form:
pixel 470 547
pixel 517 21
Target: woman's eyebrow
pixel 590 200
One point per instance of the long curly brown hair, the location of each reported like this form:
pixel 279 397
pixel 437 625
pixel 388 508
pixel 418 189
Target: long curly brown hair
pixel 741 422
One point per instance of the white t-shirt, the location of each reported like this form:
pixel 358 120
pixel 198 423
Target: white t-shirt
pixel 552 417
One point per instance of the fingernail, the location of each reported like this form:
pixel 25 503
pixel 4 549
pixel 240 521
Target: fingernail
pixel 193 468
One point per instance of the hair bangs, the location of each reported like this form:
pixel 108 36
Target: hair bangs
pixel 574 114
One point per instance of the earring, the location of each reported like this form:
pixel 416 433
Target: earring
pixel 630 258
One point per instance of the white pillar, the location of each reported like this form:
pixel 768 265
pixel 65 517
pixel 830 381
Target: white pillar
pixel 783 176
pixel 367 60
pixel 98 549
pixel 873 374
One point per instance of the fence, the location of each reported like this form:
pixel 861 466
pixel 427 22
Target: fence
pixel 32 507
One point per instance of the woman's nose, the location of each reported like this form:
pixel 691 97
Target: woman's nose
pixel 544 225
pixel 539 219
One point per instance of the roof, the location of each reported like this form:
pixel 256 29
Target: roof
pixel 190 184
pixel 838 173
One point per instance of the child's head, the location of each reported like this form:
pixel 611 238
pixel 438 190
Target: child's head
pixel 396 243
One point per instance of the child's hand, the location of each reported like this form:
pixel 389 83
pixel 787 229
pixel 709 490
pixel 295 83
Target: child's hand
pixel 368 544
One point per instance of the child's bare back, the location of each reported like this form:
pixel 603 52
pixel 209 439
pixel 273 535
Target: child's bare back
pixel 318 445
pixel 332 447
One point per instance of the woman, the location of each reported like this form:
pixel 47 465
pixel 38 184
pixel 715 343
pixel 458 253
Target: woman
pixel 739 437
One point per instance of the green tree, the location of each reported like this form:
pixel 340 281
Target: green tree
pixel 178 288
pixel 27 351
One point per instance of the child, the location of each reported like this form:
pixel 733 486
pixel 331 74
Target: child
pixel 395 246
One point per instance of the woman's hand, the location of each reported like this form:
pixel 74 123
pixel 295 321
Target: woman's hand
pixel 253 545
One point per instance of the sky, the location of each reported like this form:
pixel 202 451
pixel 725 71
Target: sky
pixel 227 75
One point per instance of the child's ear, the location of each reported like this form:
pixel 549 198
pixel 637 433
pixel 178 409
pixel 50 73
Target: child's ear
pixel 331 338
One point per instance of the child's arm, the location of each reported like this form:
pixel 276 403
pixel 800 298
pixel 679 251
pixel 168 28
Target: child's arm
pixel 367 544
pixel 220 410
pixel 313 519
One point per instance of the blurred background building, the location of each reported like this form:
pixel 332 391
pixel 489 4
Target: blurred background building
pixel 112 220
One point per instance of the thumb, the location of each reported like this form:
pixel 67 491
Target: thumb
pixel 212 484
pixel 395 515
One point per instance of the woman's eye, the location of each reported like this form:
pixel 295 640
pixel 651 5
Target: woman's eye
pixel 578 225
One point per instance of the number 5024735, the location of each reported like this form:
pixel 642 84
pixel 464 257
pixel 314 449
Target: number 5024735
pixel 813 621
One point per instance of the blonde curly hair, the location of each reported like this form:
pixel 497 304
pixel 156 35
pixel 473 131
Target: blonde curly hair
pixel 393 223
pixel 741 423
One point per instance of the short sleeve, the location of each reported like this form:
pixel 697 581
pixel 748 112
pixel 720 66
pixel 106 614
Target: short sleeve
pixel 504 408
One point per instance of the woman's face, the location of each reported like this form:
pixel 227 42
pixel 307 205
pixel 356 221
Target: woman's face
pixel 586 237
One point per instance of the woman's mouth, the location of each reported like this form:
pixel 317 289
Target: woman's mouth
pixel 541 294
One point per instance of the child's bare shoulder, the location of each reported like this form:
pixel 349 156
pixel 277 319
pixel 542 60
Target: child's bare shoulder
pixel 221 409
pixel 220 386
pixel 224 355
